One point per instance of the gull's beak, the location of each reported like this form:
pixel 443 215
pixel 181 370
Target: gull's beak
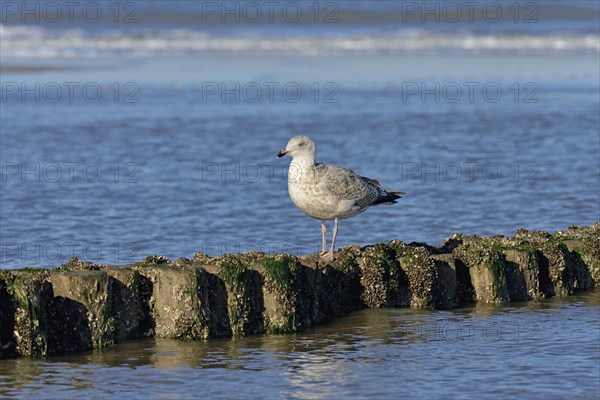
pixel 282 153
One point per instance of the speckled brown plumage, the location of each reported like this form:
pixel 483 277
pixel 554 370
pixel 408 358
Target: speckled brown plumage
pixel 329 192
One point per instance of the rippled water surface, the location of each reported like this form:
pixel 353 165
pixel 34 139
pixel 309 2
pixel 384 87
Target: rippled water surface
pixel 538 350
pixel 121 140
pixel 487 126
pixel 177 173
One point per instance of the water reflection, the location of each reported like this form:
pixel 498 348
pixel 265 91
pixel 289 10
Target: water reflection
pixel 366 354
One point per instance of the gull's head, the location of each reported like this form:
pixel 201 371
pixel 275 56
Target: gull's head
pixel 298 146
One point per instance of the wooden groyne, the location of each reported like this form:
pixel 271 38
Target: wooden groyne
pixel 81 306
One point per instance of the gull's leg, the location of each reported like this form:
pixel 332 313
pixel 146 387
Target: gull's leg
pixel 329 256
pixel 323 238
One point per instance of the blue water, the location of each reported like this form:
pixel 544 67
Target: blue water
pixel 182 170
pixel 154 129
pixel 545 350
pixel 120 140
pixel 49 31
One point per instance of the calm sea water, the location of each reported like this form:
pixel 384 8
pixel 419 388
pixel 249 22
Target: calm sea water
pixel 177 173
pixel 122 139
pixel 538 350
pixel 158 133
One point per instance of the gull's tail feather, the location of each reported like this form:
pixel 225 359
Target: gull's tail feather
pixel 395 192
pixel 387 197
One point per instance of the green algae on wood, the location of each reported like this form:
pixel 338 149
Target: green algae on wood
pixel 522 274
pixel 27 294
pixel 329 289
pixel 174 301
pixel 278 269
pixel 384 282
pixel 486 265
pixel 448 293
pixel 280 295
pixel 588 250
pixel 557 270
pixel 584 244
pixel 91 292
pixel 212 295
pixel 339 283
pixel 129 319
pixel 245 303
pixel 421 271
pixel 569 267
pixel 83 306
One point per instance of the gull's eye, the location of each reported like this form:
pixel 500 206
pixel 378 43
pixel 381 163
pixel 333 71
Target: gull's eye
pixel 301 144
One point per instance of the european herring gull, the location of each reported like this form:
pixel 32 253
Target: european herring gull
pixel 328 192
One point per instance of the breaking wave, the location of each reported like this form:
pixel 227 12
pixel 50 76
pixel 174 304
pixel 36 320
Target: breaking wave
pixel 39 42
